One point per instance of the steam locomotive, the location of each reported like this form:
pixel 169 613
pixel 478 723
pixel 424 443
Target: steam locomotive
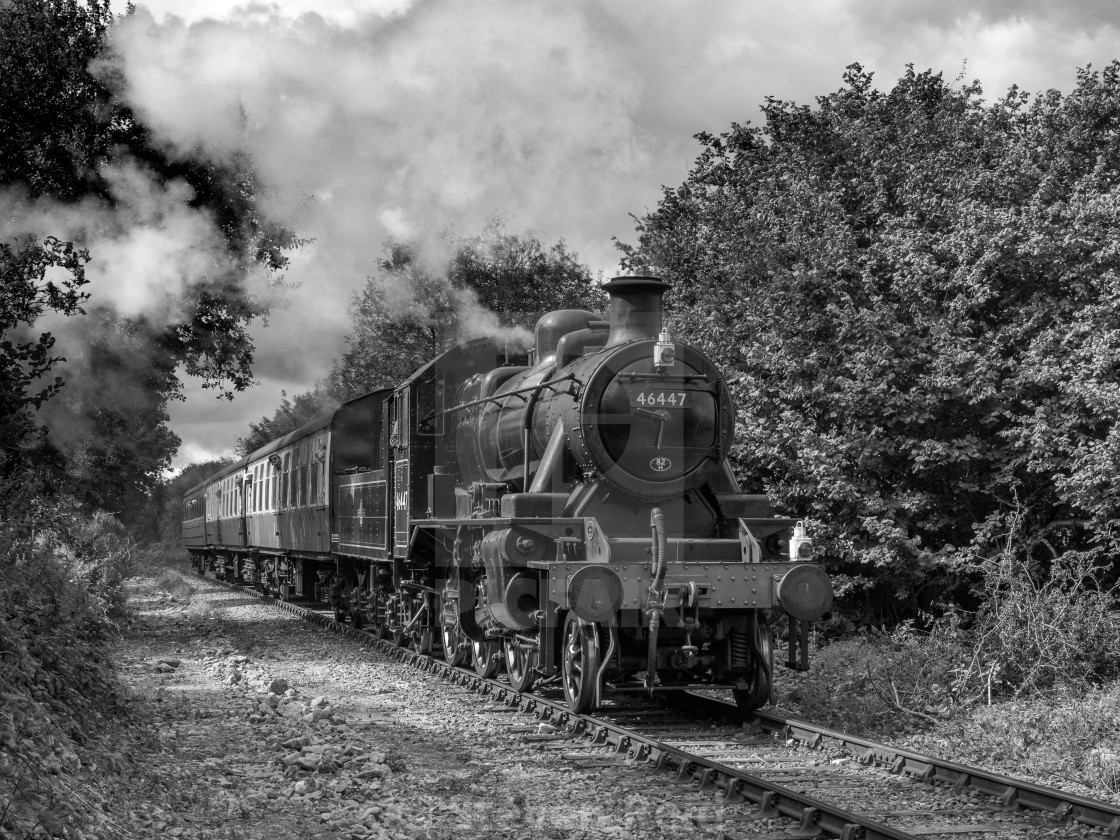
pixel 568 514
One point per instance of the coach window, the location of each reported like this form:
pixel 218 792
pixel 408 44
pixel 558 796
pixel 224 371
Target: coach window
pixel 293 481
pixel 285 470
pixel 398 437
pixel 316 465
pixel 297 459
pixel 299 476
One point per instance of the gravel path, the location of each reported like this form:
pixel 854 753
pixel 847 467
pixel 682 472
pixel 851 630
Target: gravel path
pixel 263 726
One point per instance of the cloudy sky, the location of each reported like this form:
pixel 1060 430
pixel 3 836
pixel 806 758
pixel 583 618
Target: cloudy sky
pixel 372 118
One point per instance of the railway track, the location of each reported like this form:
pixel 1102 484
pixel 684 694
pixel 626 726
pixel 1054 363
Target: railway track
pixel 816 782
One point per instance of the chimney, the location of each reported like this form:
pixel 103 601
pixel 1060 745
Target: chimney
pixel 635 308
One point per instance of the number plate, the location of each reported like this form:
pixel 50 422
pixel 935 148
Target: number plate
pixel 659 398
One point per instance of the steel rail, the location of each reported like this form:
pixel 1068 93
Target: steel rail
pixel 1009 791
pixel 728 785
pixel 731 786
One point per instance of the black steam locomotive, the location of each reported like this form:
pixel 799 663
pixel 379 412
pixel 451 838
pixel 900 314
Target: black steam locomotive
pixel 567 514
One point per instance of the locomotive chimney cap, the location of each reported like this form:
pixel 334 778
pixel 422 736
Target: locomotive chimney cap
pixel 622 284
pixel 635 308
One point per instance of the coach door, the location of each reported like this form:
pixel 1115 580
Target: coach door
pixel 246 496
pixel 399 451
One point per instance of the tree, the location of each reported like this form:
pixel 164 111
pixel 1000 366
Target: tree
pixel 289 416
pixel 63 119
pixel 25 294
pixel 65 133
pixel 913 294
pixel 168 496
pixel 493 282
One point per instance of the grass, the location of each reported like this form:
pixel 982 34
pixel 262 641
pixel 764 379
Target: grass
pixel 905 688
pixel 173 584
pixel 1028 685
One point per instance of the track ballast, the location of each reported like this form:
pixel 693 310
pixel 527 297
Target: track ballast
pixel 768 766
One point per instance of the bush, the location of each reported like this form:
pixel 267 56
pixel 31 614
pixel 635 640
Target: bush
pixel 1039 632
pixel 880 683
pixel 1037 637
pixel 64 593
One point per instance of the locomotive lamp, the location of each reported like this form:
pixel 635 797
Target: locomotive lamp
pixel 800 546
pixel 664 352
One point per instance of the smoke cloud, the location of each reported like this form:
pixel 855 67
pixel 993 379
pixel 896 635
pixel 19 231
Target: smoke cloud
pixel 405 122
pixel 405 118
pixel 148 247
pixel 399 126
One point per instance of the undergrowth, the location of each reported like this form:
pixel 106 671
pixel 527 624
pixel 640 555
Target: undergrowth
pixel 1030 681
pixel 63 598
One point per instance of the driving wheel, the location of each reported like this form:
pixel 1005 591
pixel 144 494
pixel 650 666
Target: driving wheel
pixel 757 694
pixel 580 667
pixel 520 665
pixel 485 655
pixel 452 640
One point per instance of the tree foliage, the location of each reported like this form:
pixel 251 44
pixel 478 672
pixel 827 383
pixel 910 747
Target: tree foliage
pixel 63 119
pixel 28 294
pixel 168 501
pixel 292 413
pixel 65 129
pixel 409 312
pixel 914 294
pixel 495 282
